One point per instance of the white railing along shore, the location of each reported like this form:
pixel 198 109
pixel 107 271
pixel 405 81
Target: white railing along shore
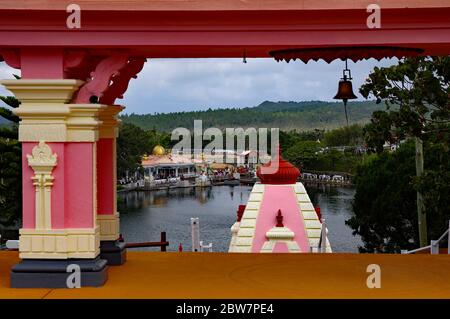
pixel 434 244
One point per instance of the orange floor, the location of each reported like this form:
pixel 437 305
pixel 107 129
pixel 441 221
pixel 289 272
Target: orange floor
pixel 221 275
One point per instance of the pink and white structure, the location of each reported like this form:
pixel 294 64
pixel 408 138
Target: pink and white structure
pixel 279 216
pixel 72 77
pixel 73 147
pixel 68 131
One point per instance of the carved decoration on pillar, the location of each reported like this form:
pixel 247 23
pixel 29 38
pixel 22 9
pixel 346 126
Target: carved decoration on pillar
pixel 42 160
pixel 109 80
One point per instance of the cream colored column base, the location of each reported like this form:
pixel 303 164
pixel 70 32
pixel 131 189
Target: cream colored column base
pixel 109 226
pixel 59 244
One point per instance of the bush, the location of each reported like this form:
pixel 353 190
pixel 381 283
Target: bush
pixel 385 200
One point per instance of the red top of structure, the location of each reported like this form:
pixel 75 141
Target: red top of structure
pixel 279 219
pixel 285 173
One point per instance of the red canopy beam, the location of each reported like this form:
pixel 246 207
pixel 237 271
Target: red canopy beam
pixel 223 28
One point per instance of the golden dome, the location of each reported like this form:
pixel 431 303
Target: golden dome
pixel 159 150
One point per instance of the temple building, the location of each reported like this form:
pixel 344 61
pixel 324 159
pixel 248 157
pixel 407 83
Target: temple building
pixel 160 165
pixel 279 216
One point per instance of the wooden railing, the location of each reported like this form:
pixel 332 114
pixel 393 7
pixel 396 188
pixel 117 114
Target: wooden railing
pixel 163 243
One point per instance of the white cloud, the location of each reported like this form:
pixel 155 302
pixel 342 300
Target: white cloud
pixel 168 85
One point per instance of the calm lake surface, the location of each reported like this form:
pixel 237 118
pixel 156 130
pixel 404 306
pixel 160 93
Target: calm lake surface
pixel 145 214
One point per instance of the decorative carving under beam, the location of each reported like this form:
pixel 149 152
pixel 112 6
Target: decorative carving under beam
pixel 120 81
pixel 100 78
pixel 110 79
pixel 329 54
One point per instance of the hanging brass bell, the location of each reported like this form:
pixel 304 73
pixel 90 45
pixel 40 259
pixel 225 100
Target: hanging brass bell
pixel 345 91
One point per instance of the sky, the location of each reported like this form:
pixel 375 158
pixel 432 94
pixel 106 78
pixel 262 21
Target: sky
pixel 174 85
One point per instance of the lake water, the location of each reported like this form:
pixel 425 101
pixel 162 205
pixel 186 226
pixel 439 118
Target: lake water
pixel 145 214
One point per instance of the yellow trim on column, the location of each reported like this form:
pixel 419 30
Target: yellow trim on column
pixel 46 115
pixel 110 122
pixel 43 91
pixel 109 226
pixel 59 122
pixel 59 243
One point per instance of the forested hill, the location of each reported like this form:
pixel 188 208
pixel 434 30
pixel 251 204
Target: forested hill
pixel 300 116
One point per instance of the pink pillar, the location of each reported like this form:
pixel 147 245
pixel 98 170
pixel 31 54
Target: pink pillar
pixel 62 193
pixel 59 157
pixel 106 191
pixel 108 217
pixel 79 176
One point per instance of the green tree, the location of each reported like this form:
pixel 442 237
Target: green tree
pixel 300 116
pixel 303 153
pixel 157 138
pixel 10 164
pixel 332 157
pixel 352 135
pixel 434 183
pixel 132 143
pixel 416 93
pixel 385 216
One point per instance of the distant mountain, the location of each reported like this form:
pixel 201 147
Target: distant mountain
pixel 299 116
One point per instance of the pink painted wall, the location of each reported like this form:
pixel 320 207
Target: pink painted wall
pixel 280 197
pixel 39 63
pixel 58 189
pixel 79 193
pixel 72 202
pixel 105 178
